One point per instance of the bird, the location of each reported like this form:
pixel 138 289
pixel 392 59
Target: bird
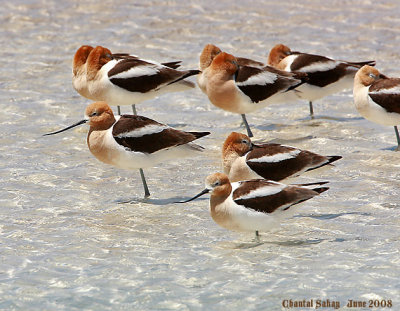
pixel 79 81
pixel 243 160
pixel 130 80
pixel 326 76
pixel 377 98
pixel 244 89
pixel 124 79
pixel 253 205
pixel 208 54
pixel 132 141
pixel 79 71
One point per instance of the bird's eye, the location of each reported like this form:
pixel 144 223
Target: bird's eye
pixel 234 62
pixel 244 141
pixel 93 114
pixel 372 76
pixel 217 183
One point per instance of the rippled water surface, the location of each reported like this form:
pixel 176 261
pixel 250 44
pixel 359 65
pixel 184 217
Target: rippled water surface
pixel 68 240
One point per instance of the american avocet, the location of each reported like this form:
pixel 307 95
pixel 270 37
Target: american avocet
pixel 377 98
pixel 253 205
pixel 244 160
pixel 244 89
pixel 124 80
pixel 326 76
pixel 131 141
pixel 206 57
pixel 79 69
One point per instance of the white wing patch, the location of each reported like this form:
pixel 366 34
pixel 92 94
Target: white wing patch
pixel 393 90
pixel 138 71
pixel 262 78
pixel 146 130
pixel 277 157
pixel 263 191
pixel 320 66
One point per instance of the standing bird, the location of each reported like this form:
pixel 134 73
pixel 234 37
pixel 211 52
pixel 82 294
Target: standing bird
pixel 243 160
pixel 79 81
pixel 326 76
pixel 206 57
pixel 244 89
pixel 79 69
pixel 253 205
pixel 377 98
pixel 131 141
pixel 129 80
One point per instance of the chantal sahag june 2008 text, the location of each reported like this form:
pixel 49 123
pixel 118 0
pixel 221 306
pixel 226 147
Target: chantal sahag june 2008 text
pixel 335 304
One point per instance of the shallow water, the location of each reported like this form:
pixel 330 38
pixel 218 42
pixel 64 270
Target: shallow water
pixel 69 242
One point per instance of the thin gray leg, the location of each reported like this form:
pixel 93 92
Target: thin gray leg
pixel 257 239
pixel 396 130
pixel 146 189
pixel 134 109
pixel 311 109
pixel 119 110
pixel 249 133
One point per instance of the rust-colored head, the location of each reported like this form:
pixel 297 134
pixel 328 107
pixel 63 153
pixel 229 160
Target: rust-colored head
pixel 207 55
pixel 80 57
pixel 100 116
pixel 97 58
pixel 367 75
pixel 225 62
pixel 277 53
pixel 237 143
pixel 219 185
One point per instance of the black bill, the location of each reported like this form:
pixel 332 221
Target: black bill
pixel 67 128
pixel 196 196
